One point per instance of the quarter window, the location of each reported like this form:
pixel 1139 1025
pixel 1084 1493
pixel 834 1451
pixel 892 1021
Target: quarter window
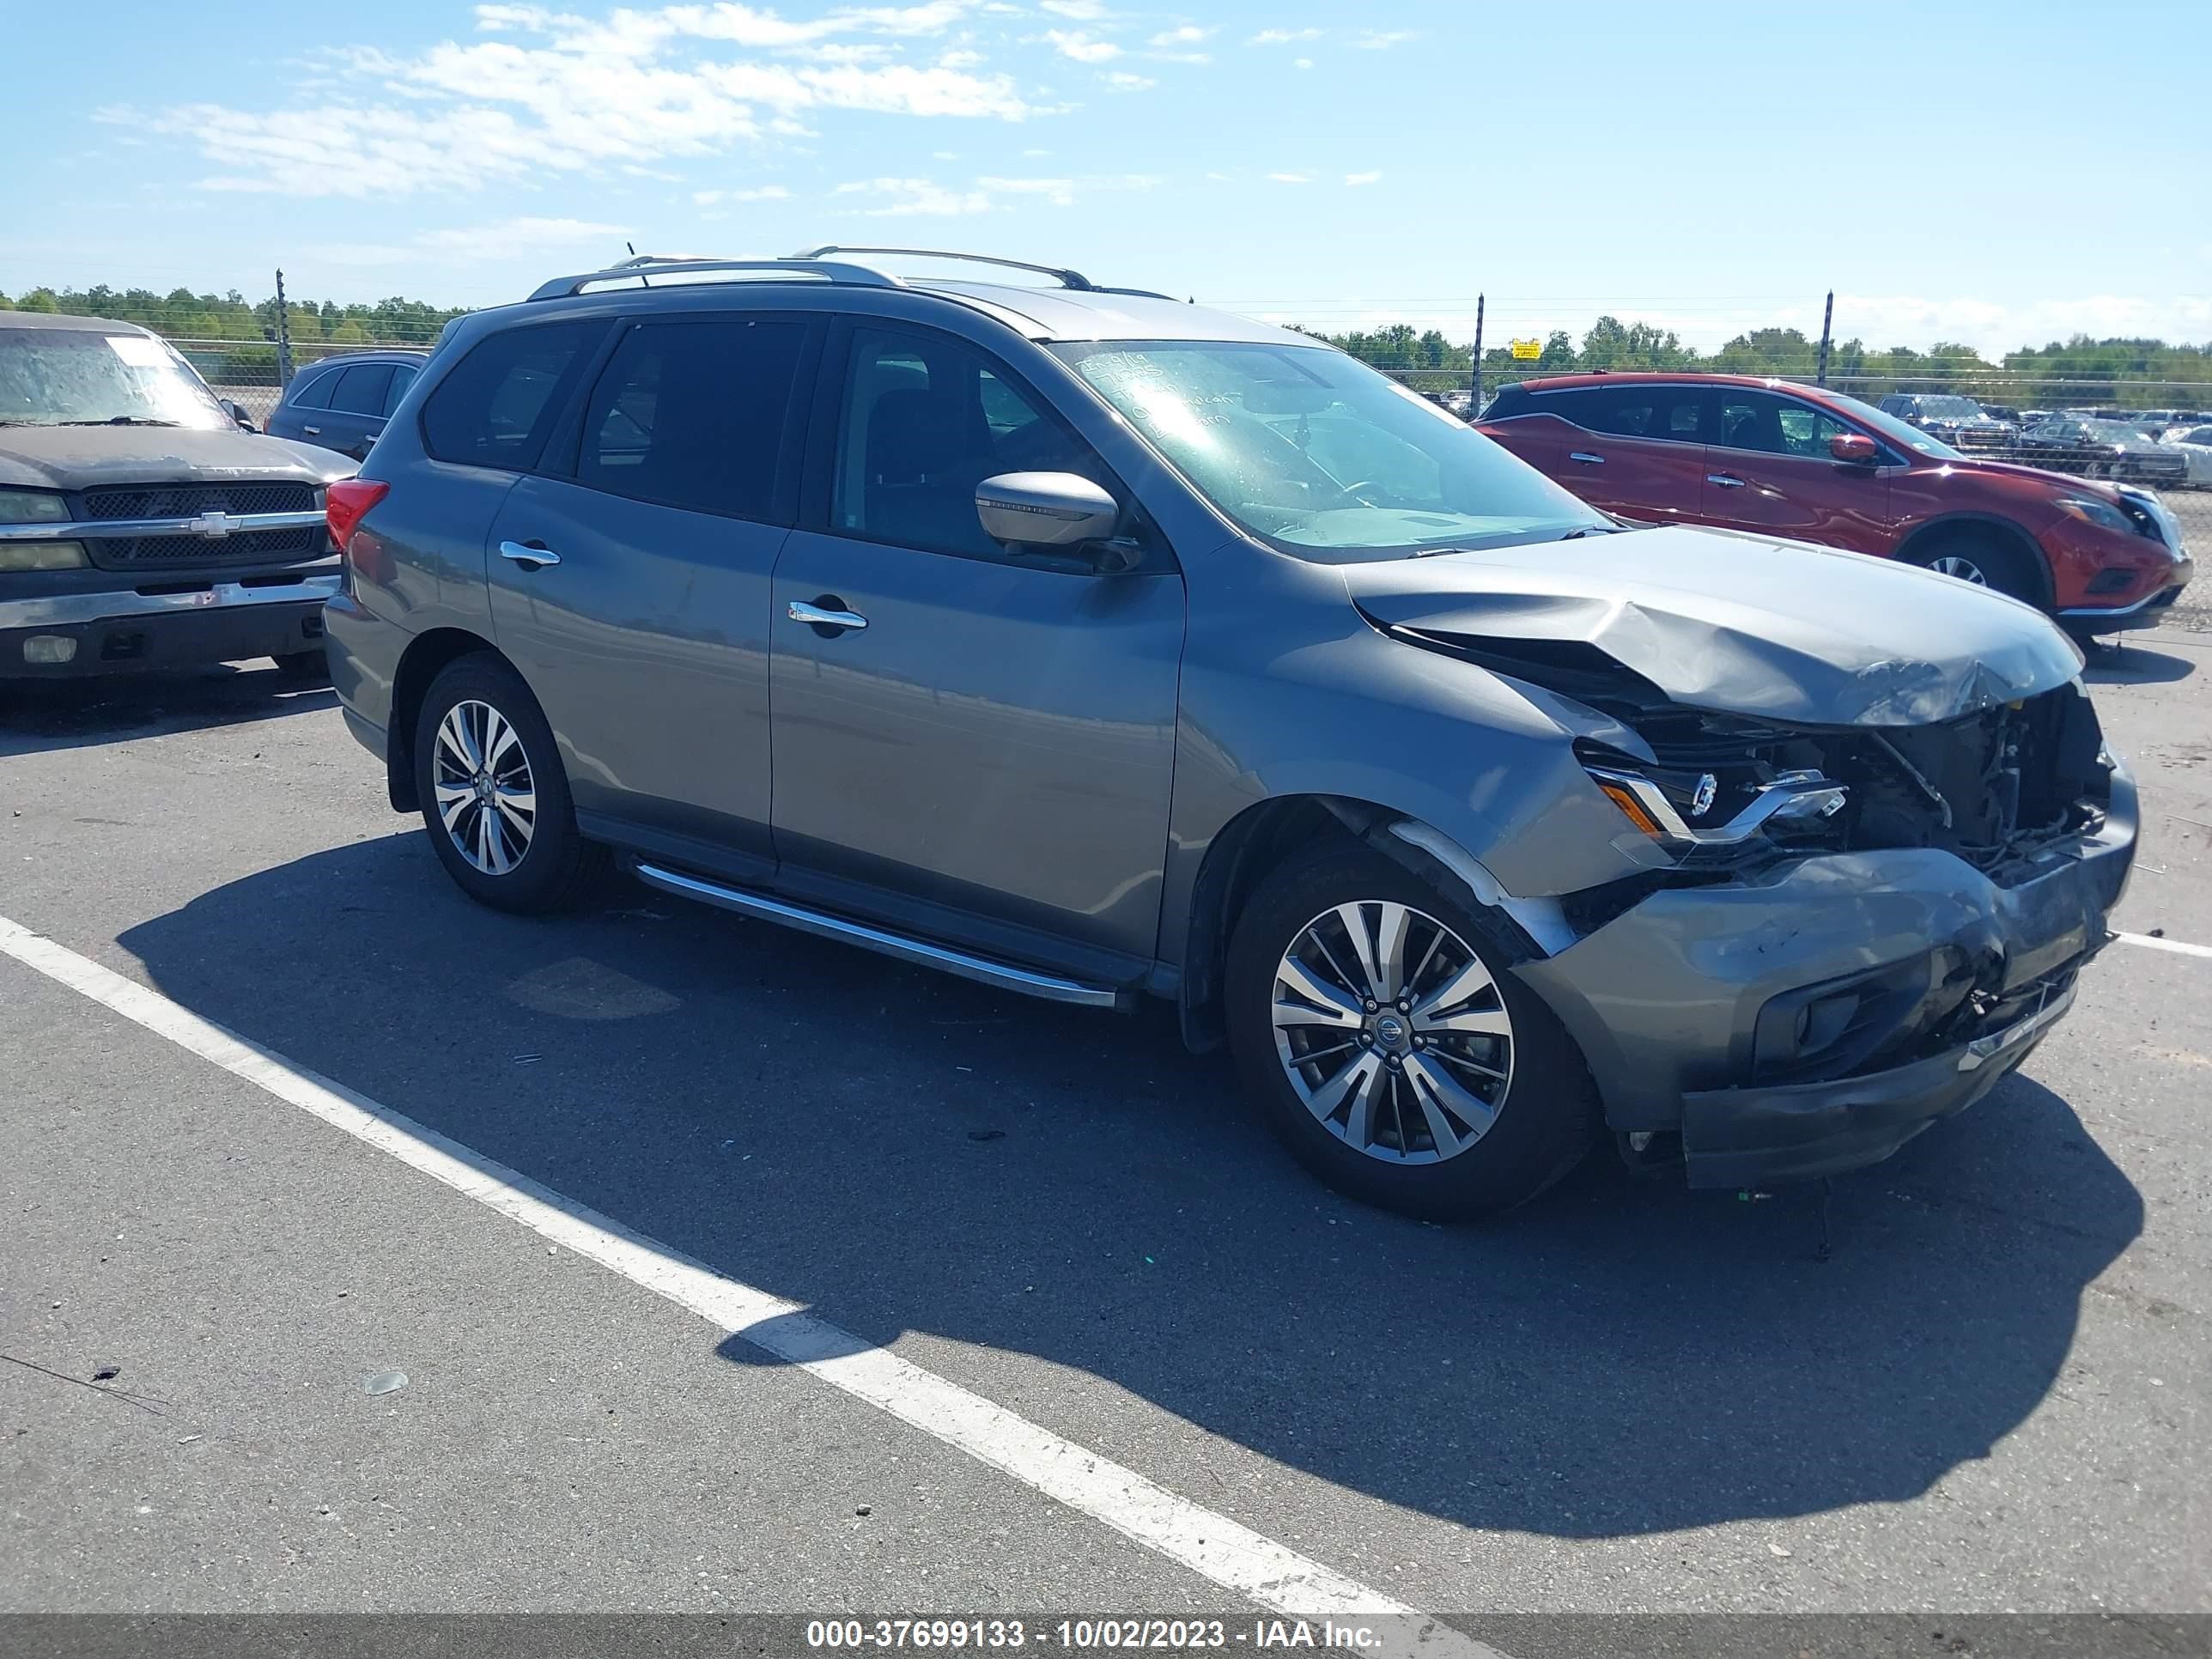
pixel 313 392
pixel 692 413
pixel 402 378
pixel 498 404
pixel 925 420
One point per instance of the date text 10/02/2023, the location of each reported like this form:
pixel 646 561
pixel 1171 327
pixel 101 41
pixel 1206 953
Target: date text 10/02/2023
pixel 1144 1634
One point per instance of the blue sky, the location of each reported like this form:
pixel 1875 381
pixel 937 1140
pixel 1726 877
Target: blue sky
pixel 1991 174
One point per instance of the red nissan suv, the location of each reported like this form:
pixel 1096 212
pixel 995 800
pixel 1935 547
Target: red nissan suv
pixel 1777 458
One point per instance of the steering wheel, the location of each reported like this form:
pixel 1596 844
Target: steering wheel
pixel 1349 492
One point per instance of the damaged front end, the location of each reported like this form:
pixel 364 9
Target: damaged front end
pixel 1842 931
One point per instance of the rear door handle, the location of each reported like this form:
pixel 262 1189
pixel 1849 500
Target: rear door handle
pixel 824 615
pixel 531 556
pixel 1723 480
pixel 313 431
pixel 1585 457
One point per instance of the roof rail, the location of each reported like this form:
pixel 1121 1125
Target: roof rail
pixel 1071 279
pixel 828 270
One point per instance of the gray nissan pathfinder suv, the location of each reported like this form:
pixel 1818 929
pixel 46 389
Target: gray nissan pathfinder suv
pixel 140 526
pixel 1096 646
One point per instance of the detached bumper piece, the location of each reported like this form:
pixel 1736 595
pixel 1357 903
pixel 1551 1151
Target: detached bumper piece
pixel 107 633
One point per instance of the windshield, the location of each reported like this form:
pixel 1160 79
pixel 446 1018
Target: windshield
pixel 58 376
pixel 1949 409
pixel 1320 456
pixel 1905 437
pixel 2112 432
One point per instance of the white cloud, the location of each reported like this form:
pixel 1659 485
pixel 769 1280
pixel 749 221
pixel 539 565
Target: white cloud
pixel 1302 63
pixel 467 243
pixel 1083 11
pixel 1188 35
pixel 1356 179
pixel 1282 37
pixel 1292 178
pixel 1063 192
pixel 763 193
pixel 575 94
pixel 906 197
pixel 1082 47
pixel 1123 81
pixel 1383 40
pixel 959 60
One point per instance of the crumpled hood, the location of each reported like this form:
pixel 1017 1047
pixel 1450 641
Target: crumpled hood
pixel 90 457
pixel 1740 624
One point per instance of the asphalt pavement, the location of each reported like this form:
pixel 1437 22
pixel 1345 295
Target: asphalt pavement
pixel 1992 1397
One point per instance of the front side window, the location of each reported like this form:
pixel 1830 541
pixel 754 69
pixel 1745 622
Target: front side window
pixel 1806 431
pixel 497 406
pixel 692 413
pixel 83 377
pixel 925 420
pixel 1320 456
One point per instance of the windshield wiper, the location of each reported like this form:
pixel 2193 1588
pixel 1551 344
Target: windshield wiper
pixel 1592 530
pixel 120 420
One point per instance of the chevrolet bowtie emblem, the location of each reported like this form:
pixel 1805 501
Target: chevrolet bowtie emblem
pixel 214 526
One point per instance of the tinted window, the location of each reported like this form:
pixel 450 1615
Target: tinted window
pixel 498 404
pixel 402 378
pixel 693 414
pixel 926 419
pixel 1664 411
pixel 361 389
pixel 312 391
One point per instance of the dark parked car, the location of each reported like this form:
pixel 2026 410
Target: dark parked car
pixel 2118 450
pixel 1958 421
pixel 342 403
pixel 1096 645
pixel 1782 459
pixel 139 526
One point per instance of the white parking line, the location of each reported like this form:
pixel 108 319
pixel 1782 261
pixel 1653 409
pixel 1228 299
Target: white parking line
pixel 1212 1545
pixel 2172 945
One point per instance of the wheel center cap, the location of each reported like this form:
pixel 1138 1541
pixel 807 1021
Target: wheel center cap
pixel 1390 1032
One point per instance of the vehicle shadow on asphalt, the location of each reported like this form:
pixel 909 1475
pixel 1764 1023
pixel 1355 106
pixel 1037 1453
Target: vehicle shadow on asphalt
pixel 37 716
pixel 908 1153
pixel 2135 664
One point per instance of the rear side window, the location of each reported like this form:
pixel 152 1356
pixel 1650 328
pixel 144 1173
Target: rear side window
pixel 1665 411
pixel 402 378
pixel 361 389
pixel 693 413
pixel 498 404
pixel 313 391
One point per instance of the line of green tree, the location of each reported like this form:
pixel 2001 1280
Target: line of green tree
pixel 2123 373
pixel 233 341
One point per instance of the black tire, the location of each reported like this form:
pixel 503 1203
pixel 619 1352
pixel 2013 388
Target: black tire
pixel 556 865
pixel 2003 567
pixel 304 666
pixel 1547 1118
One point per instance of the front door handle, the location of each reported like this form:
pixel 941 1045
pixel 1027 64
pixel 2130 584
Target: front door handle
pixel 1585 457
pixel 531 556
pixel 826 615
pixel 1723 480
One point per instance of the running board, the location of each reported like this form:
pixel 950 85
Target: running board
pixel 824 926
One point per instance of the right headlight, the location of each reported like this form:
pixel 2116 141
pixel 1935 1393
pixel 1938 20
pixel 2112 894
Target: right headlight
pixel 32 506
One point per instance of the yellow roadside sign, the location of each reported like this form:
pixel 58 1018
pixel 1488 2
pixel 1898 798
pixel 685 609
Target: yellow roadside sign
pixel 1527 351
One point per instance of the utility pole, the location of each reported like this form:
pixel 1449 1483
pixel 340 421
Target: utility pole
pixel 1827 316
pixel 283 335
pixel 1477 407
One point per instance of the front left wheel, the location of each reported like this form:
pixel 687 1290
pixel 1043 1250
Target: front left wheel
pixel 1377 1024
pixel 495 797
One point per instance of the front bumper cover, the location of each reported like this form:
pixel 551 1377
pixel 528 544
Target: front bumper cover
pixel 1666 999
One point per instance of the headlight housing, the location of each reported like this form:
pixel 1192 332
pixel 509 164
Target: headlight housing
pixel 2103 514
pixel 40 555
pixel 1647 801
pixel 32 506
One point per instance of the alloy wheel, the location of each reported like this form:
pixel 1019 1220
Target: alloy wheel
pixel 1392 1032
pixel 486 798
pixel 1952 564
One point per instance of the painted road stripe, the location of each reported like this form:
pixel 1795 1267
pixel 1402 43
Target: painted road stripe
pixel 2172 945
pixel 1212 1545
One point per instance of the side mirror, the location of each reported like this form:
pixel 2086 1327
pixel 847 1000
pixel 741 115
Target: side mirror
pixel 1854 447
pixel 238 413
pixel 1045 509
